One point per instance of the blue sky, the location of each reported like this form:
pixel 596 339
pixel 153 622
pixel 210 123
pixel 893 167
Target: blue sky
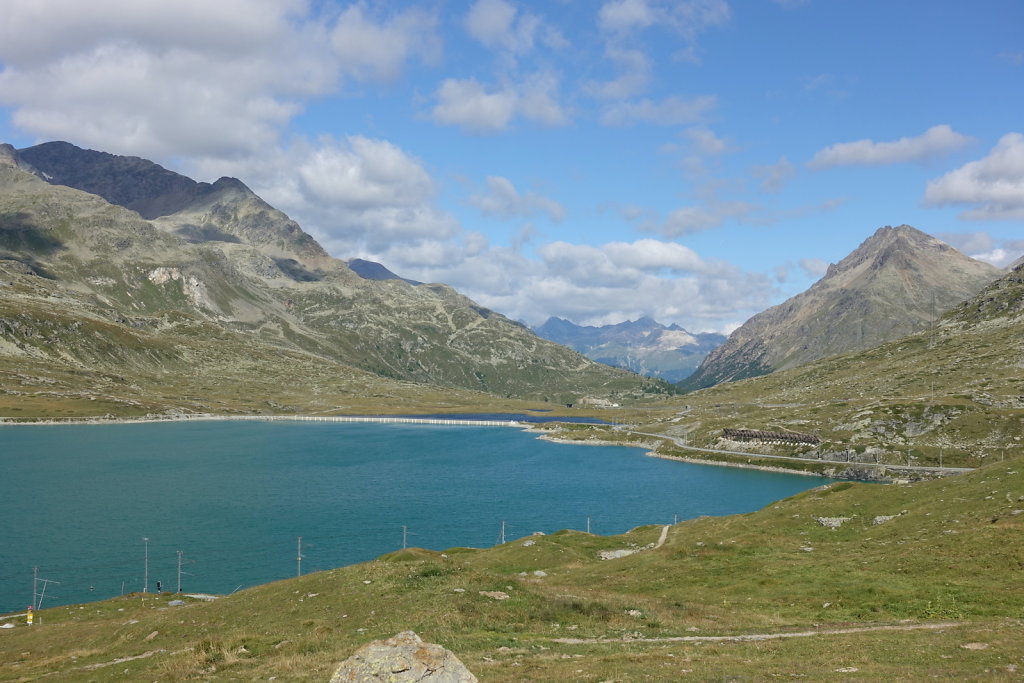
pixel 691 160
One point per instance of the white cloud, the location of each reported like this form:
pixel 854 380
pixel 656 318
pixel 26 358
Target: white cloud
pixel 356 195
pixel 690 219
pixel 774 176
pixel 372 50
pixel 189 78
pixel 935 141
pixel 468 104
pixel 704 141
pixel 503 199
pixel 814 267
pixel 982 246
pixel 668 112
pixel 499 24
pixel 364 174
pixel 685 17
pixel 994 185
pixel 624 15
pixel 634 68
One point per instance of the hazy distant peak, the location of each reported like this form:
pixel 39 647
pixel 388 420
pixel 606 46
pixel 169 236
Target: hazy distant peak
pixel 371 270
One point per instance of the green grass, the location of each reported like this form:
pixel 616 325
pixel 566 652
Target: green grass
pixel 950 553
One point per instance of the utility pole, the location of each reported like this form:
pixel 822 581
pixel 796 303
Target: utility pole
pixel 145 580
pixel 405 533
pixel 588 525
pixel 39 605
pixel 298 559
pixel 179 571
pixel 501 538
pixel 35 583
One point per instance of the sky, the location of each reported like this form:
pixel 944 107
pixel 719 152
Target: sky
pixel 694 161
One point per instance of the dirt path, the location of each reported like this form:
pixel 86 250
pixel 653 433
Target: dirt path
pixel 663 537
pixel 760 636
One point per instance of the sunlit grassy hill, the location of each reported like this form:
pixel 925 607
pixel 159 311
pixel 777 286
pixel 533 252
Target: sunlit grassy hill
pixel 954 392
pixel 913 582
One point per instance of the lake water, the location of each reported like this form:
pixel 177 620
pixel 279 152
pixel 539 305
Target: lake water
pixel 235 496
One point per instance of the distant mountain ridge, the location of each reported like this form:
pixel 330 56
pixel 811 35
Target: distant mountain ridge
pixel 895 283
pixel 643 346
pixel 371 270
pixel 214 261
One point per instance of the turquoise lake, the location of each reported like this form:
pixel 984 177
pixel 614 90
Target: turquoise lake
pixel 235 496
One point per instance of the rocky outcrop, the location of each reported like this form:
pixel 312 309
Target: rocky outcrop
pixel 405 658
pixel 897 282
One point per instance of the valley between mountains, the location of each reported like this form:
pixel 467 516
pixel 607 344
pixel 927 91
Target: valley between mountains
pixel 130 291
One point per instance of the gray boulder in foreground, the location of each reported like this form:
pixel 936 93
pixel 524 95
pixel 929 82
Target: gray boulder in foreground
pixel 404 658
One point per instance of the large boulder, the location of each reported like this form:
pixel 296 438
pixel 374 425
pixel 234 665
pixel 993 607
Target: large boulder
pixel 404 658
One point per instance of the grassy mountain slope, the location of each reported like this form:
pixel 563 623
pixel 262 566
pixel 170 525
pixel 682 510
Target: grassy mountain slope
pixel 954 392
pixel 230 267
pixel 917 581
pixel 898 281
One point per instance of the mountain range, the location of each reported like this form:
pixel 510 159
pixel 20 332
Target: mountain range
pixel 118 267
pixel 643 346
pixel 899 281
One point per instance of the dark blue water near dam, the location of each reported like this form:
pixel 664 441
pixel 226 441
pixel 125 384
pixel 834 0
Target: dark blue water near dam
pixel 77 501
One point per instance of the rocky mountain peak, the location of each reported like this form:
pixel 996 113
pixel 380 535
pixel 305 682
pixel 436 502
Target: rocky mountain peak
pixel 896 282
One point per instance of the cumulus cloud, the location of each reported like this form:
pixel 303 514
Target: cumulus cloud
pixel 670 111
pixel 503 199
pixel 378 50
pixel 355 195
pixel 934 142
pixel 602 284
pixel 470 105
pixel 984 247
pixel 500 24
pixel 994 185
pixel 189 78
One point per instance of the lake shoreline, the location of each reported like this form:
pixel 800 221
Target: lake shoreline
pixel 532 427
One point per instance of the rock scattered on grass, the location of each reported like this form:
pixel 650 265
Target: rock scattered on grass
pixel 497 595
pixel 404 658
pixel 832 522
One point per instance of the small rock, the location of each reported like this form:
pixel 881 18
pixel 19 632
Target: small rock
pixel 176 603
pixel 975 646
pixel 807 548
pixel 528 542
pixel 497 595
pixel 541 573
pixel 404 658
pixel 634 613
pixel 458 590
pixel 832 522
pixel 152 635
pixel 7 625
pixel 847 670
